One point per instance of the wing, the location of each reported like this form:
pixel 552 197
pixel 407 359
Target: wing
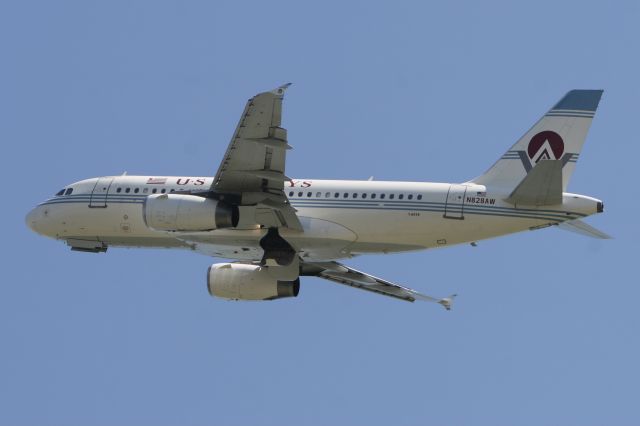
pixel 341 274
pixel 254 164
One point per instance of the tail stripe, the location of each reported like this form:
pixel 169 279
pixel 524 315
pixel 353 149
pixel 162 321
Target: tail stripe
pixel 569 114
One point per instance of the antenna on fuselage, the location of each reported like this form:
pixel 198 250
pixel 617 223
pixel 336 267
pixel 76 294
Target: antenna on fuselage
pixel 124 173
pixel 370 178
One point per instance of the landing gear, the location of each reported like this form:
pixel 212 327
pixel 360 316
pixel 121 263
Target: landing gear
pixel 276 249
pixel 280 258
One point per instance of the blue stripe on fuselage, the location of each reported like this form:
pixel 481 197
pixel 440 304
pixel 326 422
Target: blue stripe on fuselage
pixel 361 204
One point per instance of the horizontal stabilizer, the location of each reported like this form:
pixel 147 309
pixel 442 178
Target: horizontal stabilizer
pixel 542 186
pixel 583 228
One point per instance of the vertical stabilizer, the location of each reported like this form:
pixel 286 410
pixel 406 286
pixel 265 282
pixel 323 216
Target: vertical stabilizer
pixel 558 135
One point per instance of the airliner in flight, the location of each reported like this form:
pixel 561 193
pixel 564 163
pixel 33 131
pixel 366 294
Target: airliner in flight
pixel 276 229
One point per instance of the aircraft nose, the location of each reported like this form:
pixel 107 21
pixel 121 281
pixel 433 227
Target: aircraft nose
pixel 33 218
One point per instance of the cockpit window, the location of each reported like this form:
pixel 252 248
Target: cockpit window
pixel 59 193
pixel 69 191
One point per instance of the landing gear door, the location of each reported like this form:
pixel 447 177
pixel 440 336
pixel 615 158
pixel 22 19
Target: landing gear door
pixel 100 191
pixel 454 208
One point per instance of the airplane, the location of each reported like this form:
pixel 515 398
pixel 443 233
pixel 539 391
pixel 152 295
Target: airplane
pixel 275 229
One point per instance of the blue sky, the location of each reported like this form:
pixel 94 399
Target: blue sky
pixel 545 330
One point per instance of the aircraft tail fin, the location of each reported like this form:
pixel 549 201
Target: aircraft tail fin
pixel 558 135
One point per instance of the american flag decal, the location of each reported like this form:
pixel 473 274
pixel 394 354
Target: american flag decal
pixel 156 181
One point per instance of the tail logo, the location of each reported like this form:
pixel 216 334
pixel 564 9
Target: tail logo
pixel 545 145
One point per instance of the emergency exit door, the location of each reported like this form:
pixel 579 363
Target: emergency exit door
pixel 454 207
pixel 100 192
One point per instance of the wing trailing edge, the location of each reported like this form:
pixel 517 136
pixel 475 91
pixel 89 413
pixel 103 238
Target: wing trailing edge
pixel 341 274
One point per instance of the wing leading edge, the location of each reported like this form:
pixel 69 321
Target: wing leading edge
pixel 341 274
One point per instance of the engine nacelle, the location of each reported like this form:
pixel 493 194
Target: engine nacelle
pixel 181 212
pixel 237 281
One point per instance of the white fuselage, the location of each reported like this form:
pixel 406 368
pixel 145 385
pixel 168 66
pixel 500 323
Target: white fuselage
pixel 340 218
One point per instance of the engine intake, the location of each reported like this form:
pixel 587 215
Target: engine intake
pixel 181 212
pixel 238 281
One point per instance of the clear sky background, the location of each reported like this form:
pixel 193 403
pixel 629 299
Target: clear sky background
pixel 545 330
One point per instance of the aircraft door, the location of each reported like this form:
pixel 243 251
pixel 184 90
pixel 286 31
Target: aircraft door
pixel 454 208
pixel 100 191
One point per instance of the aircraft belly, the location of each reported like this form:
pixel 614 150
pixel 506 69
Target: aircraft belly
pixel 387 231
pixel 397 230
pixel 241 244
pixel 321 240
pixel 140 241
pixel 477 227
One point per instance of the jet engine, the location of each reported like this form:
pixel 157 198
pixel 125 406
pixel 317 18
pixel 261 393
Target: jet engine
pixel 238 281
pixel 181 212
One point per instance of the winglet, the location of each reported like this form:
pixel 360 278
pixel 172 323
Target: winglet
pixel 281 89
pixel 447 302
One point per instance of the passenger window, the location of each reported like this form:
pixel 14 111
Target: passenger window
pixel 400 197
pixel 145 190
pixel 154 190
pixel 59 193
pixel 419 196
pixel 373 196
pixel 309 194
pixel 290 193
pixel 318 194
pixel 336 195
pixel 136 190
pixel 119 190
pixel 364 195
pixel 69 191
pixel 410 197
pixel 163 190
pixel 327 195
pixel 382 196
pixel 300 194
pixel 172 190
pixel 127 190
pixel 355 195
pixel 391 196
pixel 346 195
